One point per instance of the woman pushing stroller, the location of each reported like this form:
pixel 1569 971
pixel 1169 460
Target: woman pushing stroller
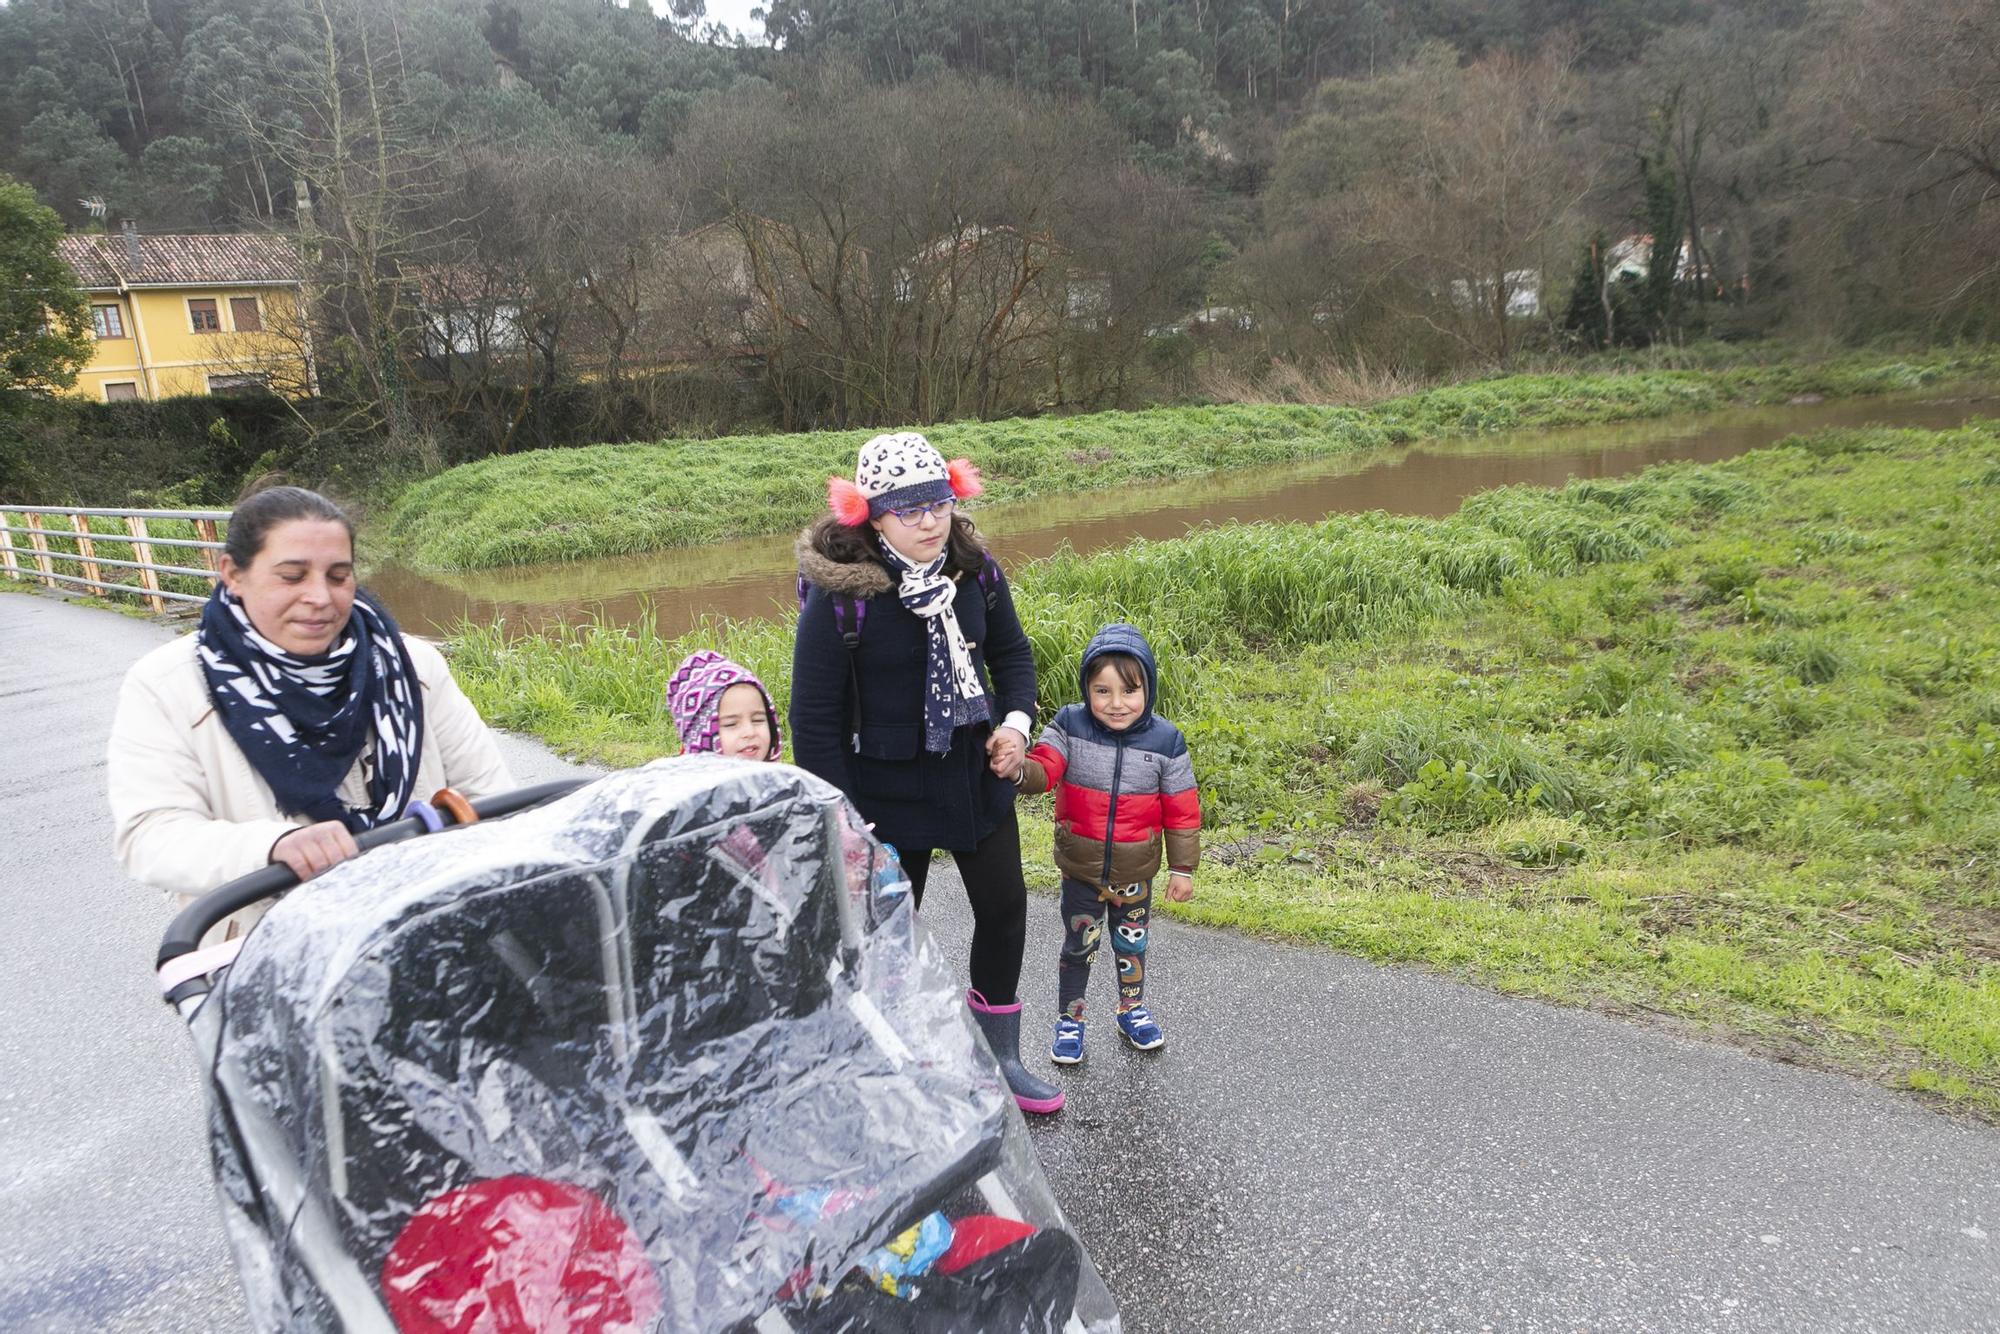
pixel 295 716
pixel 503 1117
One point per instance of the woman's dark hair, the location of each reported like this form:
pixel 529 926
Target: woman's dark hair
pixel 965 553
pixel 1130 670
pixel 259 512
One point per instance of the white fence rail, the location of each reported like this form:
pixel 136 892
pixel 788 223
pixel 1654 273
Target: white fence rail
pixel 82 540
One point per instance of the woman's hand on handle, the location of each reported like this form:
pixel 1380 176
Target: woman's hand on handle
pixel 315 848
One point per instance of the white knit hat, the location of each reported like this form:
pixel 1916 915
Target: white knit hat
pixel 896 472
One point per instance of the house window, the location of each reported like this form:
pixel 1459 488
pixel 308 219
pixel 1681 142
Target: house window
pixel 121 391
pixel 107 321
pixel 234 386
pixel 202 316
pixel 244 314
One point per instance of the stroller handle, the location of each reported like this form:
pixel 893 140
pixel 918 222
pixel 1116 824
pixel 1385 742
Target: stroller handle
pixel 193 922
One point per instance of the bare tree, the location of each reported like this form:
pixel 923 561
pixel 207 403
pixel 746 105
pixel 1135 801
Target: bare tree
pixel 1485 207
pixel 1445 195
pixel 1921 84
pixel 1134 264
pixel 1708 99
pixel 375 177
pixel 909 249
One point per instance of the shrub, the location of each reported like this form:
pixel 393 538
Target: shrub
pixel 1728 578
pixel 1604 685
pixel 1454 797
pixel 1811 658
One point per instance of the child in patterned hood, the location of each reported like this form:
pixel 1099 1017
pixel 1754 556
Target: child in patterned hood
pixel 719 707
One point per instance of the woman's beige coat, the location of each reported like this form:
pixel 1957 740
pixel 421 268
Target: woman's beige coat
pixel 189 813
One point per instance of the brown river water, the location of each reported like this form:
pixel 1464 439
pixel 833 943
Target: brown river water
pixel 753 576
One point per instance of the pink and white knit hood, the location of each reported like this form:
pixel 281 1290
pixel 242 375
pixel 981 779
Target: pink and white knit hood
pixel 694 694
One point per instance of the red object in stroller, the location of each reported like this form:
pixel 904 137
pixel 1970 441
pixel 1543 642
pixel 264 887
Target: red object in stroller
pixel 666 1052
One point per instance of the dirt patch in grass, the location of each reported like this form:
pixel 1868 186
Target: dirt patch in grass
pixel 1481 874
pixel 1702 675
pixel 1669 915
pixel 1442 873
pixel 1976 931
pixel 1362 803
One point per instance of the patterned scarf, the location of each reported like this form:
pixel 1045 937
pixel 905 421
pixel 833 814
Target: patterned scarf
pixel 953 694
pixel 303 722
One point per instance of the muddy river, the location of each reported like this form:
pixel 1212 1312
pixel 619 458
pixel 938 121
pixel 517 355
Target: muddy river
pixel 753 576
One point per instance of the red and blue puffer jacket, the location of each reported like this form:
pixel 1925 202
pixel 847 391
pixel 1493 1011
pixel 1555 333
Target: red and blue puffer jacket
pixel 1119 795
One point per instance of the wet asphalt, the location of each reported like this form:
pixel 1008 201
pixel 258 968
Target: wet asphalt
pixel 1322 1144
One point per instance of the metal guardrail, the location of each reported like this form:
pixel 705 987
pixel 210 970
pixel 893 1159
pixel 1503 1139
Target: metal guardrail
pixel 76 542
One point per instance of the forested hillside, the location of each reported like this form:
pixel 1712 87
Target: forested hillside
pixel 916 210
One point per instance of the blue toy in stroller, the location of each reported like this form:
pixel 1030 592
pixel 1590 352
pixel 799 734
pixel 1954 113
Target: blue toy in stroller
pixel 664 1052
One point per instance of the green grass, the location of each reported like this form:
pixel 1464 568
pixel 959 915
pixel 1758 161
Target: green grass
pixel 607 500
pixel 1720 744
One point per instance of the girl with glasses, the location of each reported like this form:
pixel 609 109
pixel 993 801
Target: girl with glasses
pixel 912 681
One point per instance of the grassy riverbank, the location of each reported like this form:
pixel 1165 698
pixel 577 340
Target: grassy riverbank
pixel 1715 743
pixel 605 500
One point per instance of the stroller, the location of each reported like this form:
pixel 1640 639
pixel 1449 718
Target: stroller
pixel 668 1051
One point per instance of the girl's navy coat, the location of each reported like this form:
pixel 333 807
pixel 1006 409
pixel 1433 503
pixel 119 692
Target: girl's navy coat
pixel 914 798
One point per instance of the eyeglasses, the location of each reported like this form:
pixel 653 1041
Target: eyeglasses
pixel 914 514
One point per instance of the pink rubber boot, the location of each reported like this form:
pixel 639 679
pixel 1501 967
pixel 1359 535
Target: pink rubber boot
pixel 1002 1026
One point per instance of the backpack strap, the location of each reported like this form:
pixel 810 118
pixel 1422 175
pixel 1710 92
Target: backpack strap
pixel 849 614
pixel 989 579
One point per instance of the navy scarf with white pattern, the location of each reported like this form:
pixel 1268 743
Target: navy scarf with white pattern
pixel 303 722
pixel 953 692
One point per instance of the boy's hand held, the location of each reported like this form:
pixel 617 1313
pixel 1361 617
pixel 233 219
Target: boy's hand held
pixel 1006 750
pixel 1180 886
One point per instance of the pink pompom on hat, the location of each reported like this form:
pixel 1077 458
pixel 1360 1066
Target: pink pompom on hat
pixel 896 472
pixel 694 697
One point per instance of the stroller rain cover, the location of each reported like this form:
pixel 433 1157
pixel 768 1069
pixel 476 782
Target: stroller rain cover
pixel 669 1053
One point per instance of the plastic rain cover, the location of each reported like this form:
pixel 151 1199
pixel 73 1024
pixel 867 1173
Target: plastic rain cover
pixel 670 1053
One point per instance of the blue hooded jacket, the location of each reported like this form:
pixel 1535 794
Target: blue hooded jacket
pixel 1119 795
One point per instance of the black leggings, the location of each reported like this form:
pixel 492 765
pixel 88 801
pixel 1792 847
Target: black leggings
pixel 999 898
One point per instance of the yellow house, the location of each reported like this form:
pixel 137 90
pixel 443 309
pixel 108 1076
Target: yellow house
pixel 203 314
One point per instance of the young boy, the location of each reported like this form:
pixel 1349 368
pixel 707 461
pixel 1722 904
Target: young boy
pixel 1124 785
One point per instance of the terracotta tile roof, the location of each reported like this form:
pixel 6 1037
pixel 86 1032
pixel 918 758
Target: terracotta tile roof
pixel 217 259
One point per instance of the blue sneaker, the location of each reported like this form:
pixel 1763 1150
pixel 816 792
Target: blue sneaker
pixel 1140 1030
pixel 1068 1048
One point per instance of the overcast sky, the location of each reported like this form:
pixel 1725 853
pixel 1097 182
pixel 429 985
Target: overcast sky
pixel 734 14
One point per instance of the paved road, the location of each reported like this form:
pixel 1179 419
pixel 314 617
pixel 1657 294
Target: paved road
pixel 1323 1144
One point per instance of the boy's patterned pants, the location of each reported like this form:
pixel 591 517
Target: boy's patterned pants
pixel 1084 911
